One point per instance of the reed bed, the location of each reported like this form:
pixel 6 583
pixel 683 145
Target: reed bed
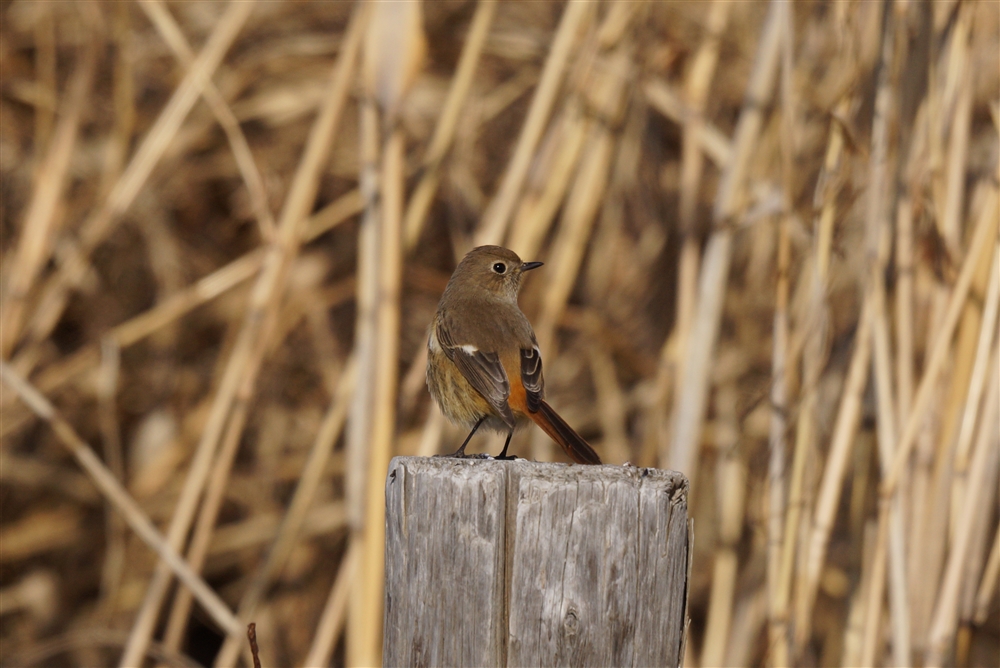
pixel 772 263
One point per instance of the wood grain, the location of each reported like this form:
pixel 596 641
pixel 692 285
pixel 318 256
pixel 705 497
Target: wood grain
pixel 520 563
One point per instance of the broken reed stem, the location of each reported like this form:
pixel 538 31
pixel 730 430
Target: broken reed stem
pixel 689 407
pixel 444 132
pixel 119 497
pixel 493 226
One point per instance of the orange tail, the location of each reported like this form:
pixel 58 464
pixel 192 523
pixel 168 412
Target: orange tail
pixel 560 432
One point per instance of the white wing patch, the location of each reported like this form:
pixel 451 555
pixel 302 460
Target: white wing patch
pixel 469 349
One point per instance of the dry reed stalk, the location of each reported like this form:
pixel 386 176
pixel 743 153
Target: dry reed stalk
pixel 444 132
pixel 882 193
pixel 957 97
pixel 394 52
pixel 873 636
pixel 610 405
pixel 540 203
pixel 179 304
pixel 111 442
pixel 954 388
pixel 668 101
pixel 117 495
pixel 689 408
pixel 74 267
pixel 244 362
pixel 29 473
pixel 974 565
pixel 985 228
pixel 827 187
pixel 430 438
pixel 331 622
pixel 84 639
pixel 291 228
pixel 987 331
pixel 45 71
pixel 606 95
pixel 748 618
pixel 696 86
pixel 55 376
pixel 814 326
pixel 854 625
pixel 777 427
pixel 493 226
pixel 42 218
pixel 805 435
pixel 263 528
pixel 171 33
pixel 904 306
pixel 215 489
pixel 731 477
pixel 123 95
pixel 988 585
pixel 367 634
pixel 841 441
pixel 313 473
pixel 928 518
pixel 945 617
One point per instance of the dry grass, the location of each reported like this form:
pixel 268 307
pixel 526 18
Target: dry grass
pixel 772 262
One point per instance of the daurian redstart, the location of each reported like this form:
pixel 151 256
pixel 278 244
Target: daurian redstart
pixel 483 362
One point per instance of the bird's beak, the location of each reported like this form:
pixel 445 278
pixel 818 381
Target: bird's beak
pixel 531 265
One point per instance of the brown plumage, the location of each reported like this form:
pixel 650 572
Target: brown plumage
pixel 483 362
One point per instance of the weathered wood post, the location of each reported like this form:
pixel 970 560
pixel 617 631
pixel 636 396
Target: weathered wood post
pixel 498 563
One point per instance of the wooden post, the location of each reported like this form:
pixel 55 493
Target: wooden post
pixel 494 563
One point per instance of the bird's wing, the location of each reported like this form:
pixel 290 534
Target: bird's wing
pixel 531 377
pixel 482 369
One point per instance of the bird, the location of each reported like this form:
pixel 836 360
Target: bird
pixel 484 367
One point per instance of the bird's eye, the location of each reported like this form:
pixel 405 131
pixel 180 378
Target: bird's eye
pixel 499 267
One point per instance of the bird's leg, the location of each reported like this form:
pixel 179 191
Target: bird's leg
pixel 460 453
pixel 503 453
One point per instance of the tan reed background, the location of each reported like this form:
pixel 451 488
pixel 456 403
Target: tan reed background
pixel 770 235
